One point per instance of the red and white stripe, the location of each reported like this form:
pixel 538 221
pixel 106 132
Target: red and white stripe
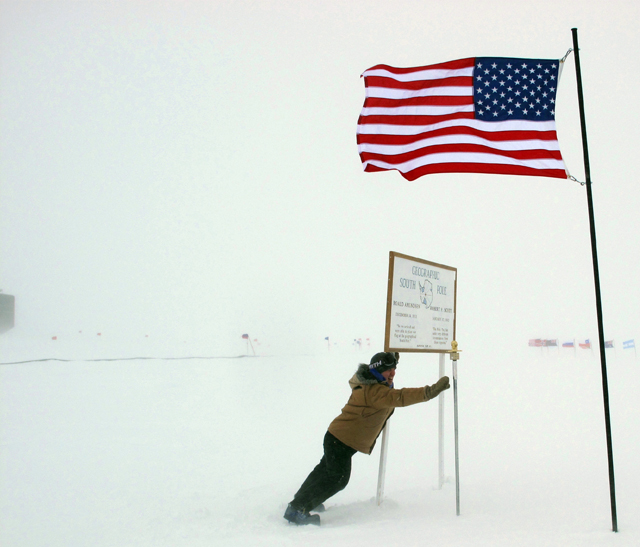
pixel 421 121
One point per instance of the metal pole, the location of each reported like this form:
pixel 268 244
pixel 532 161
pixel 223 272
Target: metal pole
pixel 441 429
pixel 596 275
pixel 455 355
pixel 383 464
pixel 455 421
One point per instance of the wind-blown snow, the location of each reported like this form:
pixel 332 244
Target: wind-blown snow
pixel 209 451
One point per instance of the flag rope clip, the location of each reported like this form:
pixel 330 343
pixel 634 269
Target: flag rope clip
pixel 566 55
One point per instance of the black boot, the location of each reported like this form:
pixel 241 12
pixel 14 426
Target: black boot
pixel 295 516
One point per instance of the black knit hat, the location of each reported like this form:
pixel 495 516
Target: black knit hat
pixel 384 361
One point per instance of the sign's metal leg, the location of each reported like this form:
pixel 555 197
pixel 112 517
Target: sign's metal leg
pixel 441 429
pixel 455 421
pixel 383 464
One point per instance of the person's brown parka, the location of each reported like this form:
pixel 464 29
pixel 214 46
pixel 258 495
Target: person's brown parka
pixel 369 407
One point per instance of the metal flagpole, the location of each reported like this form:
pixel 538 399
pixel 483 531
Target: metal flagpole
pixel 594 253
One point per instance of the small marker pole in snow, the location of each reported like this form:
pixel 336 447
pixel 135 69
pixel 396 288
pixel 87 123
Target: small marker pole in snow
pixel 248 339
pixel 454 361
pixel 383 464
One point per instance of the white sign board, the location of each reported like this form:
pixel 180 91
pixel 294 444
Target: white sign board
pixel 421 305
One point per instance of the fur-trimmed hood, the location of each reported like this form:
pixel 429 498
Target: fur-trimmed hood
pixel 362 377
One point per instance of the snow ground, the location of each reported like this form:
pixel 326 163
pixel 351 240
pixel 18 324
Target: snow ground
pixel 208 452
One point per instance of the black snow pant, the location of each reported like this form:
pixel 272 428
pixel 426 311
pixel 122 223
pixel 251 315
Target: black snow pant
pixel 329 477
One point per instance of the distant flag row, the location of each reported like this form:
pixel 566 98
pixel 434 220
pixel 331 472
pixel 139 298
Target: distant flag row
pixel 358 342
pixel 609 344
pixel 540 343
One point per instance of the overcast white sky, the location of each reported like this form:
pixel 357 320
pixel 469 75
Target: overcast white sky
pixel 190 169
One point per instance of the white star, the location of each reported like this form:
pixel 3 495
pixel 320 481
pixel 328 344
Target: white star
pixel 517 71
pixel 539 65
pixel 502 71
pixel 552 77
pixel 479 65
pixel 510 100
pixel 517 105
pixel 495 114
pixel 553 112
pixel 544 107
pixel 479 78
pixel 494 77
pixel 503 94
pixel 494 66
pixel 524 65
pixel 486 71
pixel 510 112
pixel 502 107
pixel 495 101
pixel 494 90
pixel 509 65
pixel 509 76
pixel 525 111
pixel 538 112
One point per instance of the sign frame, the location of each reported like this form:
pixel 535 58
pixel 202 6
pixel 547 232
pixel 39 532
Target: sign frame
pixel 390 294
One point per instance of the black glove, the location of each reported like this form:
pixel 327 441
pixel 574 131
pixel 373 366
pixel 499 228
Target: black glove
pixel 437 388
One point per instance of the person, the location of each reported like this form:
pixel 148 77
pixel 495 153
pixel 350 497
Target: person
pixel 373 400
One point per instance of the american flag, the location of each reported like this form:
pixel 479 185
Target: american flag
pixel 475 115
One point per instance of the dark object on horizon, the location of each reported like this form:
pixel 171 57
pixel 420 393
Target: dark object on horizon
pixel 7 312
